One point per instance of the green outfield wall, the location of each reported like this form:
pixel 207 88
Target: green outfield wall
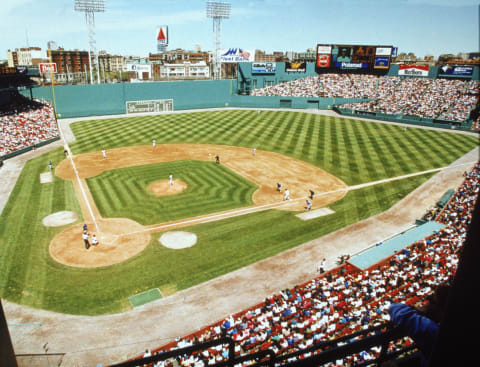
pixel 109 99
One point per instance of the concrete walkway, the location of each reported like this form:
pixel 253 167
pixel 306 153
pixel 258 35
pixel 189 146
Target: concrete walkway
pixel 108 339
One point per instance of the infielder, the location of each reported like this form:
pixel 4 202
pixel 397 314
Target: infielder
pixel 170 178
pixel 104 153
pixel 154 143
pixel 286 196
pixel 85 239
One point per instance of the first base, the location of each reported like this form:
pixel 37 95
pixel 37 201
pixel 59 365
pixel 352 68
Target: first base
pixel 312 214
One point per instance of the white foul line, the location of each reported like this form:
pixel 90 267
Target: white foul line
pixel 84 194
pixel 258 208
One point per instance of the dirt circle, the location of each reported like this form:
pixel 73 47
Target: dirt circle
pixel 119 239
pixel 178 239
pixel 59 219
pixel 160 188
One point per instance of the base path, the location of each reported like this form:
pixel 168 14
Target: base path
pixel 89 340
pixel 122 238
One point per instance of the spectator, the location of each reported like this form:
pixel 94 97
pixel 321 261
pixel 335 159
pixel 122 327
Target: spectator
pixel 21 129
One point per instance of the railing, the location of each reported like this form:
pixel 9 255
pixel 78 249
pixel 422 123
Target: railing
pixel 321 353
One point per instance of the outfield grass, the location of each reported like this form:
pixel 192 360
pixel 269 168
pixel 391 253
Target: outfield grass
pixel 355 151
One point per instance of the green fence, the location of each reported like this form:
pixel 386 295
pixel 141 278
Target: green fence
pixel 415 120
pixel 27 149
pixel 110 99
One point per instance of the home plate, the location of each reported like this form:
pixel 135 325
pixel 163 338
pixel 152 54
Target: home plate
pixel 46 177
pixel 311 214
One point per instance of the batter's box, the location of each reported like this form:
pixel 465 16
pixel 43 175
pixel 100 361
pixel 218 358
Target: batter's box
pixel 312 214
pixel 46 177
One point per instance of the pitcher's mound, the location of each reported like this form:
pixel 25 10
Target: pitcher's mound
pixel 178 239
pixel 59 219
pixel 160 188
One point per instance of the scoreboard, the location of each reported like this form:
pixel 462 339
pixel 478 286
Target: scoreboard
pixel 157 105
pixel 331 58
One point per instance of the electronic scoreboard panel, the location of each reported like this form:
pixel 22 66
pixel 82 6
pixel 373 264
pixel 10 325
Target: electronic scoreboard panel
pixel 362 58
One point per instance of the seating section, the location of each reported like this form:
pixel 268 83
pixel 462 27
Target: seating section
pixel 345 299
pixel 28 124
pixel 446 99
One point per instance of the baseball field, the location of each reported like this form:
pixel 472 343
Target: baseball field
pixel 232 208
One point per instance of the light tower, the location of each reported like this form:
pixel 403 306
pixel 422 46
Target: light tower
pixel 217 11
pixel 90 7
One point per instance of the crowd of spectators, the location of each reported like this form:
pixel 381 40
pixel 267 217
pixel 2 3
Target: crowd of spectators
pixel 26 125
pixel 345 299
pixel 446 99
pixel 476 124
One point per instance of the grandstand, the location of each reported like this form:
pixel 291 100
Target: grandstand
pixel 343 301
pixel 447 100
pixel 322 320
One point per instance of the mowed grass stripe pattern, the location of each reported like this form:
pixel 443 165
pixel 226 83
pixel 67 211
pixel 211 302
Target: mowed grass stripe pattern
pixel 355 151
pixel 125 193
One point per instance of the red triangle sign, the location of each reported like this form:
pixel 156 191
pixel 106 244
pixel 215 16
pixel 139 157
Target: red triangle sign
pixel 161 35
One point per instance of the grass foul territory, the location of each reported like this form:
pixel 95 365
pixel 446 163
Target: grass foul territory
pixel 357 152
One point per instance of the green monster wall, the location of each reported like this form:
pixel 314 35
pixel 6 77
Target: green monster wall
pixel 110 99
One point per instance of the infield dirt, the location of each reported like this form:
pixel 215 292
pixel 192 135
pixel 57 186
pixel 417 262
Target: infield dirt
pixel 122 238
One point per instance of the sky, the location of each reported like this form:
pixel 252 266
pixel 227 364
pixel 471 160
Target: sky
pixel 424 27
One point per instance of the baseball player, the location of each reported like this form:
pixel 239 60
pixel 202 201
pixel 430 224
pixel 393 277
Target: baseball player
pixel 50 165
pixel 104 153
pixel 217 159
pixel 254 152
pixel 321 266
pixel 309 205
pixel 170 178
pixel 279 187
pixel 154 143
pixel 286 196
pixel 85 239
pixel 94 240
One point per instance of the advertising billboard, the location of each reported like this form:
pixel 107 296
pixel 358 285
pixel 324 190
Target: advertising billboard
pixel 353 57
pixel 295 67
pixel 49 67
pixel 324 56
pixel 413 70
pixel 264 67
pixel 234 55
pixel 139 68
pixel 455 70
pixel 162 37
